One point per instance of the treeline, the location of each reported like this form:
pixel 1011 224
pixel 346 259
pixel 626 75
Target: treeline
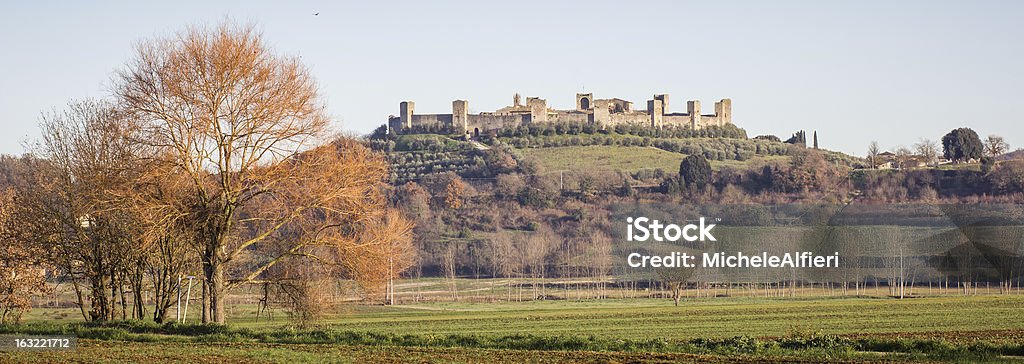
pixel 419 142
pixel 557 223
pixel 178 173
pixel 715 149
pixel 520 227
pixel 1003 182
pixel 413 157
pixel 473 164
pixel 575 128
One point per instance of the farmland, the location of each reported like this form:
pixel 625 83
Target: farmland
pixel 303 353
pixel 633 330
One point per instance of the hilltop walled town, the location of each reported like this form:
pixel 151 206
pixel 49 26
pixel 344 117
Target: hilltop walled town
pixel 602 112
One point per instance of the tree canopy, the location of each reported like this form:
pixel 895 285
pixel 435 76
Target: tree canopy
pixel 695 171
pixel 961 145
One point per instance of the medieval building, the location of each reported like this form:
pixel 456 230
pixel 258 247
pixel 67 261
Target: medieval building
pixel 601 112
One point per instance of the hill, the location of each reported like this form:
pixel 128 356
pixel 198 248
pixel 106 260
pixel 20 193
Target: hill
pixel 414 156
pixel 1017 154
pixel 629 159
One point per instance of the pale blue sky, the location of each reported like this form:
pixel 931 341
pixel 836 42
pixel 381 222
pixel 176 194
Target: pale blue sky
pixel 856 71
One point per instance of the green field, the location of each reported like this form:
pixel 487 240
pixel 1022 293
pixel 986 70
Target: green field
pixel 473 329
pixel 143 352
pixel 705 318
pixel 618 158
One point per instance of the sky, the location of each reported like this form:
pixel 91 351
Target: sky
pixel 854 71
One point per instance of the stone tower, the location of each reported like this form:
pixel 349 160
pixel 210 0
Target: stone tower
pixel 664 102
pixel 723 109
pixel 405 110
pixel 538 109
pixel 602 114
pixel 460 116
pixel 693 108
pixel 656 109
pixel 584 102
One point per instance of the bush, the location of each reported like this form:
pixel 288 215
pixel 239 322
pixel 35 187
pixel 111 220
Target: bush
pixel 695 171
pixel 586 128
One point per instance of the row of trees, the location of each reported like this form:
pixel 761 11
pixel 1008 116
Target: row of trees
pixel 642 130
pixel 716 148
pixel 529 227
pixel 958 146
pixel 211 156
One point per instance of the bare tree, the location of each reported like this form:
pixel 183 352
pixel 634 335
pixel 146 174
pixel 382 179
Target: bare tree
pixel 873 151
pixel 505 259
pixel 676 278
pixel 995 146
pixel 928 150
pixel 903 157
pixel 448 264
pixel 535 250
pixel 22 271
pixel 234 118
pixel 601 258
pixel 170 254
pixel 70 190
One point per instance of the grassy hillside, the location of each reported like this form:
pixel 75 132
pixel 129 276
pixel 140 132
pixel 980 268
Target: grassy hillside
pixel 415 156
pixel 630 153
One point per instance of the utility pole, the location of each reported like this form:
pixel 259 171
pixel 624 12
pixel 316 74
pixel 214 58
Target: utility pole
pixel 390 292
pixel 177 310
pixel 902 285
pixel 188 294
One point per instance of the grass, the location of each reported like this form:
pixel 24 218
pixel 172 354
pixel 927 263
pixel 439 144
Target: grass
pixel 169 352
pixel 618 158
pixel 699 318
pixel 956 328
pixel 795 345
pixel 959 167
pixel 642 318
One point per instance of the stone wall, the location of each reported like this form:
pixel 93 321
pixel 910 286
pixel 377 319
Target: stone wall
pixel 603 112
pixel 568 117
pixel 481 123
pixel 432 119
pixel 630 118
pixel 677 119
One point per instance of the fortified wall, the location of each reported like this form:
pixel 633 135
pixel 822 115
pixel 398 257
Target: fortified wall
pixel 601 112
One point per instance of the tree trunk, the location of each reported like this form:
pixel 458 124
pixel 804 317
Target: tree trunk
pixel 100 310
pixel 206 301
pixel 213 269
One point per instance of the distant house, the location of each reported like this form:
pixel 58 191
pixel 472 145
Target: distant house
pixel 915 161
pixel 885 160
pixel 890 160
